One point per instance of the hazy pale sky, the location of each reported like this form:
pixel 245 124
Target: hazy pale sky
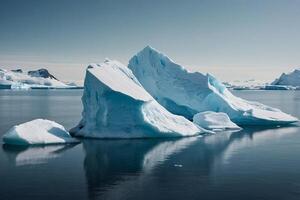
pixel 232 39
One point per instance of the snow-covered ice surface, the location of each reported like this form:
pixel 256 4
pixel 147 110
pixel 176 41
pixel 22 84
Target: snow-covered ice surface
pixel 38 132
pixel 214 121
pixel 17 79
pixel 117 106
pixel 185 93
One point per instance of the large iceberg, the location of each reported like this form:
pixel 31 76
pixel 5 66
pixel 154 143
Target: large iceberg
pixel 117 106
pixel 38 132
pixel 290 79
pixel 185 93
pixel 37 79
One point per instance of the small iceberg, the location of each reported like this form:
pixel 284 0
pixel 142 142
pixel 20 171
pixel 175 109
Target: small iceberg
pixel 214 121
pixel 115 105
pixel 186 93
pixel 38 132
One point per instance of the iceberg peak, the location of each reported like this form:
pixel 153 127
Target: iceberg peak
pixel 149 48
pixel 187 93
pixel 150 51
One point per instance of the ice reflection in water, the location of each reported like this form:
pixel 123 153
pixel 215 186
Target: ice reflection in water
pixel 117 167
pixel 125 169
pixel 26 155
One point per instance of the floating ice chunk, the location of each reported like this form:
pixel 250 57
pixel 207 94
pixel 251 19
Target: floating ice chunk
pixel 117 106
pixel 178 165
pixel 38 131
pixel 214 121
pixel 185 93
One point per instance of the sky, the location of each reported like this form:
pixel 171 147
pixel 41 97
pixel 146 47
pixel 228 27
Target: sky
pixel 231 39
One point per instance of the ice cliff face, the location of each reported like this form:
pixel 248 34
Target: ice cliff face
pixel 186 94
pixel 290 79
pixel 117 106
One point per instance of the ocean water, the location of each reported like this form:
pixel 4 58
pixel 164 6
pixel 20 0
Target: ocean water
pixel 255 163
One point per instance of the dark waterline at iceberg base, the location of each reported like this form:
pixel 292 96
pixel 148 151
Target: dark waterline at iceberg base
pixel 255 163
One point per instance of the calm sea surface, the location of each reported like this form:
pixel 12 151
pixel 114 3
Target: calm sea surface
pixel 256 163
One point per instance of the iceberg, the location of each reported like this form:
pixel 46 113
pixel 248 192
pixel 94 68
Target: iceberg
pixel 290 79
pixel 38 132
pixel 115 105
pixel 37 79
pixel 214 121
pixel 185 93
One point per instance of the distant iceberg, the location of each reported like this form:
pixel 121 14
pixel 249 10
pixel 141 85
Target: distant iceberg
pixel 279 87
pixel 38 132
pixel 290 79
pixel 185 93
pixel 37 79
pixel 117 106
pixel 250 84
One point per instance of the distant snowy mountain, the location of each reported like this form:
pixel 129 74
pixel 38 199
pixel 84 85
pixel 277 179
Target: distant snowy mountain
pixel 251 84
pixel 41 78
pixel 290 79
pixel 41 73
